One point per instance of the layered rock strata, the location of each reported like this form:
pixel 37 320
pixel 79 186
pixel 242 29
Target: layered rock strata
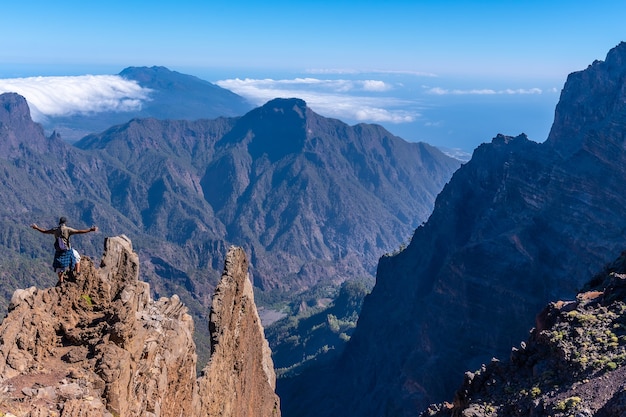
pixel 99 346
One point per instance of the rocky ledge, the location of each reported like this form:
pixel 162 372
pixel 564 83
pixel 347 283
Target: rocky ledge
pixel 100 346
pixel 573 364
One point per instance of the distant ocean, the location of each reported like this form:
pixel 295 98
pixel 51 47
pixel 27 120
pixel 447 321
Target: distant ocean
pixel 465 122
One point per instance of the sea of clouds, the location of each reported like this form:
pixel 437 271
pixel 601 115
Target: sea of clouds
pixel 68 95
pixel 362 100
pixel 415 106
pixel 359 100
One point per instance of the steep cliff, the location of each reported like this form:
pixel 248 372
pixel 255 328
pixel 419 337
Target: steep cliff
pixel 100 346
pixel 239 379
pixel 573 363
pixel 519 225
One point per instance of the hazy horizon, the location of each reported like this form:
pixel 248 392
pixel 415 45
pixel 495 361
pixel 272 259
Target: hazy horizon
pixel 448 73
pixel 416 107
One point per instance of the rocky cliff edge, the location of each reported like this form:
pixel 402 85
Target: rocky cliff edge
pixel 573 363
pixel 100 346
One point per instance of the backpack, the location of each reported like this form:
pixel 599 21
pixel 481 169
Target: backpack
pixel 60 244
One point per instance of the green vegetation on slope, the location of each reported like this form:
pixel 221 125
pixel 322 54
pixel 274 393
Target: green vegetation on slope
pixel 316 331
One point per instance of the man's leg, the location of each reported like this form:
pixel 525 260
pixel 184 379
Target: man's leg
pixel 76 257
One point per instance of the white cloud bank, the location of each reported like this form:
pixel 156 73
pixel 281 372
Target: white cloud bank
pixel 348 71
pixel 343 99
pixel 65 96
pixel 486 91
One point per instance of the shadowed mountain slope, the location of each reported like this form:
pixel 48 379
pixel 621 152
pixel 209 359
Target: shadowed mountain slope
pixel 519 225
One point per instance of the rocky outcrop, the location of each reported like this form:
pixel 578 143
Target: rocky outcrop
pixel 241 365
pixel 573 363
pixel 100 346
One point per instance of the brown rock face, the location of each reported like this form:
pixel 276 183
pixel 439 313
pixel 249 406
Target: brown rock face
pixel 241 365
pixel 99 346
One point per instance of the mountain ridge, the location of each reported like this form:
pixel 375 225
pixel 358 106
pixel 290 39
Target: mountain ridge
pixel 244 169
pixel 156 180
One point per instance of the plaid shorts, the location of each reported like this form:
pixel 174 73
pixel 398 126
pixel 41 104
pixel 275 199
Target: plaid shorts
pixel 63 260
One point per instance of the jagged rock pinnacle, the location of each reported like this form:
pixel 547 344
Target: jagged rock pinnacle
pixel 237 342
pixel 100 346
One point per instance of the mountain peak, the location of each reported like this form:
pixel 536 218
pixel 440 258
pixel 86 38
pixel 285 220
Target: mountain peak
pixel 285 105
pixel 616 57
pixel 15 115
pixel 166 95
pixel 592 100
pixel 13 105
pixel 160 77
pixel 276 129
pixel 504 139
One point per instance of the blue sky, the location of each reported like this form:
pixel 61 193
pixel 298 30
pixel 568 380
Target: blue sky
pixel 451 73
